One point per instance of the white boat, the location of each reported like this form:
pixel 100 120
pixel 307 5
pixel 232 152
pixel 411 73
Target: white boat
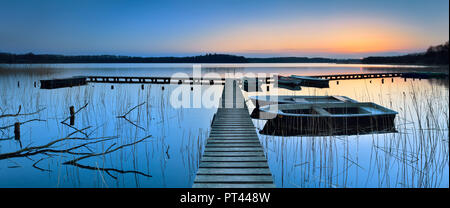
pixel 289 99
pixel 327 118
pixel 259 101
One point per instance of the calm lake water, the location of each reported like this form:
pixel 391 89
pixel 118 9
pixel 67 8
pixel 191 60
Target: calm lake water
pixel 128 136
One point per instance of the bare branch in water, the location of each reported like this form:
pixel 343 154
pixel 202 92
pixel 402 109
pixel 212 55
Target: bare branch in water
pixel 81 131
pixel 108 170
pixel 41 169
pixel 124 116
pixel 74 162
pixel 126 119
pixel 19 114
pixel 105 152
pixel 9 126
pixel 84 106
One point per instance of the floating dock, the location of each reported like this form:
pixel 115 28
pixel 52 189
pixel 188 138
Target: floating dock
pixel 61 83
pixel 233 155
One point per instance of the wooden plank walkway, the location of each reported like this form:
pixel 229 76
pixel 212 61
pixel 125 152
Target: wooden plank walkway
pixel 233 156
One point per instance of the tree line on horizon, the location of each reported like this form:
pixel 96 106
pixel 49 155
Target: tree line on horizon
pixel 435 55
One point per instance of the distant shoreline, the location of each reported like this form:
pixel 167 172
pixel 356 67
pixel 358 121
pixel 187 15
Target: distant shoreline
pixel 435 55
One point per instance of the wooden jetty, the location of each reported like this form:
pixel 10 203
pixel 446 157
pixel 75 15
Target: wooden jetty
pixel 156 80
pixel 423 75
pixel 233 156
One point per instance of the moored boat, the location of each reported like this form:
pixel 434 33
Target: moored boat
pixel 288 83
pixel 312 82
pixel 292 99
pixel 327 119
pixel 259 101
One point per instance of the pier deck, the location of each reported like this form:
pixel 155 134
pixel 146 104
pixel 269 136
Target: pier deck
pixel 233 156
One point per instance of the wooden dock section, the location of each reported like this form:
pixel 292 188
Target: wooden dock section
pixel 420 75
pixel 156 80
pixel 233 156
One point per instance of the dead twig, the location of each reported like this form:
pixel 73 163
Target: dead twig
pixel 19 114
pixel 124 116
pixel 9 126
pixel 105 152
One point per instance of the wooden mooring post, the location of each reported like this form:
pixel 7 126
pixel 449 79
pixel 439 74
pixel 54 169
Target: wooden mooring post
pixel 72 115
pixel 17 130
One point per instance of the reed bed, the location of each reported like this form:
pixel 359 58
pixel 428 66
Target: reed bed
pixel 168 157
pixel 416 156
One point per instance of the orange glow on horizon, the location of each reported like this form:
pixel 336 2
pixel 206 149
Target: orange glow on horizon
pixel 339 36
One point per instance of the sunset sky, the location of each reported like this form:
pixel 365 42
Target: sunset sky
pixel 254 28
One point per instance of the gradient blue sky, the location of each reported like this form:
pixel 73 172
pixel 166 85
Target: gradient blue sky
pixel 258 28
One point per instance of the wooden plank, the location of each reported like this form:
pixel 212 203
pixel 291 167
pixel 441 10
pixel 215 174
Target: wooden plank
pixel 228 125
pixel 233 137
pixel 227 141
pixel 234 164
pixel 235 149
pixel 234 171
pixel 233 185
pixel 234 178
pixel 232 154
pixel 231 134
pixel 231 145
pixel 234 159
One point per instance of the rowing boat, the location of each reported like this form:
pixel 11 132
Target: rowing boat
pixel 327 119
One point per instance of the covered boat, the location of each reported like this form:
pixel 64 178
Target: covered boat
pixel 288 83
pixel 312 81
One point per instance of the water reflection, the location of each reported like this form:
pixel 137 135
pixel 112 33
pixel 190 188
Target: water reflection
pixel 127 136
pixel 414 156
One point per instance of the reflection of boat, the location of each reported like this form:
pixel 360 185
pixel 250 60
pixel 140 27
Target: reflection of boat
pixel 328 119
pixel 312 82
pixel 295 82
pixel 289 99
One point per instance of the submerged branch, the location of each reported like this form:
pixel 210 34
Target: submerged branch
pixel 19 114
pixel 75 163
pixel 124 116
pixel 9 126
pixel 108 170
pixel 47 148
pixel 105 152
